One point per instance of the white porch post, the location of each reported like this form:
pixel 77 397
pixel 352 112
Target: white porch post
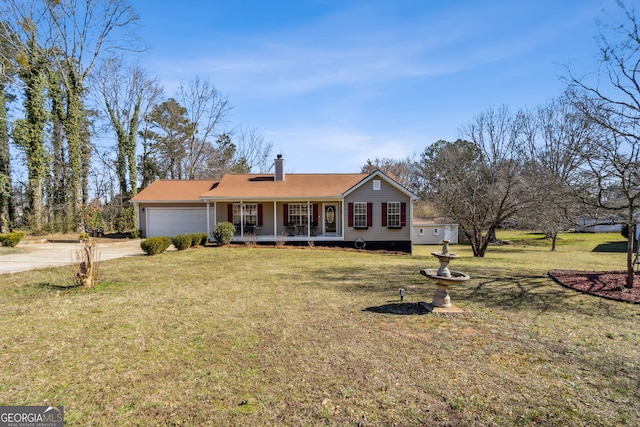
pixel 411 220
pixel 215 214
pixel 342 226
pixel 309 217
pixel 208 223
pixel 241 219
pixel 275 221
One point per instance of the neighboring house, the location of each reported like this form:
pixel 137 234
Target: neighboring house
pixel 355 210
pixel 604 225
pixel 432 231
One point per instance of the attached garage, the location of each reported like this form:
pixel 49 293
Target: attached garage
pixel 172 221
pixel 170 207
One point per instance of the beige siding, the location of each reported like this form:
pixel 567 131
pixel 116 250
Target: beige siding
pixel 387 193
pixel 222 215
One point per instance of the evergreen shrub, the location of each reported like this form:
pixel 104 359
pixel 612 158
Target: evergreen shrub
pixel 199 239
pixel 223 233
pixel 155 245
pixel 11 239
pixel 182 241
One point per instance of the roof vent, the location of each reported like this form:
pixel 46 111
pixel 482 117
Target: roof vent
pixel 279 175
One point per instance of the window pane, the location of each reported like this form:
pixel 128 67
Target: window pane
pixel 247 214
pixel 298 214
pixel 393 214
pixel 360 215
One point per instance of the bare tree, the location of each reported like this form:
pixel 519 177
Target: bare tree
pixel 252 149
pixel 478 181
pixel 405 171
pixel 125 94
pixel 7 72
pixel 611 99
pixel 80 31
pixel 72 35
pixel 556 139
pixel 207 110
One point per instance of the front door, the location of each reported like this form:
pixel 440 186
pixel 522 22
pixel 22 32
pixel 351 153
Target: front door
pixel 330 218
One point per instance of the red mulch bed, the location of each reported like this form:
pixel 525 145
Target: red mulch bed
pixel 607 284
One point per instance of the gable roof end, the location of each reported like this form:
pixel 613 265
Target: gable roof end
pixel 388 179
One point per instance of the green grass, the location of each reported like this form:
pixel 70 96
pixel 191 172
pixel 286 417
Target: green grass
pixel 266 336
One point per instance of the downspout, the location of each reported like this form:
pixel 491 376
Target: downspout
pixel 411 201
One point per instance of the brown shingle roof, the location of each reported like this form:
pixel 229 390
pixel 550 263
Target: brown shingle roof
pixel 169 190
pixel 295 186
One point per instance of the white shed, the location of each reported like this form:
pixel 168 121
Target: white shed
pixel 433 232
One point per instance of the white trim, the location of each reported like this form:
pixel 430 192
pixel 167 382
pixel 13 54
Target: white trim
pixel 335 206
pixel 200 200
pixel 148 210
pixel 382 175
pixel 268 198
pixel 215 216
pixel 208 223
pixel 342 229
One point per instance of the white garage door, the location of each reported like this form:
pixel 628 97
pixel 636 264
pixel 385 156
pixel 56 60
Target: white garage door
pixel 172 221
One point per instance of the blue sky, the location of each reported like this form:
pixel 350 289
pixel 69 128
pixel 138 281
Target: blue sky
pixel 334 83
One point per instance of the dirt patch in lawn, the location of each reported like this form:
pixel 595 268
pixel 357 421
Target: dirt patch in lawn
pixel 607 284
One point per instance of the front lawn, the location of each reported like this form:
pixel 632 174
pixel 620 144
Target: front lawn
pixel 267 336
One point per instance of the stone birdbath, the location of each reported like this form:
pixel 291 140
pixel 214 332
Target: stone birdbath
pixel 443 277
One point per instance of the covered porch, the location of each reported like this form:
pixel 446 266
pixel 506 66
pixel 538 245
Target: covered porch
pixel 276 221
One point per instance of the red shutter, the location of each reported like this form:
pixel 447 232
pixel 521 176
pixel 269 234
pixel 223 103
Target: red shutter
pixel 403 214
pixel 230 213
pixel 285 214
pixel 316 216
pixel 260 214
pixel 350 214
pixel 369 214
pixel 384 214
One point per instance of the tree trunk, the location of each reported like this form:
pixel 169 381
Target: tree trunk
pixel 554 237
pixel 479 243
pixel 630 273
pixel 6 205
pixel 72 130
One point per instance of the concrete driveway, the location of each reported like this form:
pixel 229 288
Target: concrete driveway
pixel 43 255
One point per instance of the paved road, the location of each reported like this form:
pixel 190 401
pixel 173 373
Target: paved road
pixel 43 255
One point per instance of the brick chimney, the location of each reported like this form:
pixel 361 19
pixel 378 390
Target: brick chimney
pixel 279 175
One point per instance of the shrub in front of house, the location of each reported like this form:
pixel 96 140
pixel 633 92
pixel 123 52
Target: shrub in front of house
pixel 199 239
pixel 223 233
pixel 182 241
pixel 155 245
pixel 11 239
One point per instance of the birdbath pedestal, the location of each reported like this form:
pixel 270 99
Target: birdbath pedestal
pixel 443 277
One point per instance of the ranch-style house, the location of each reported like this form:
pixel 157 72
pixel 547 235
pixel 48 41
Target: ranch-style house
pixel 333 209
